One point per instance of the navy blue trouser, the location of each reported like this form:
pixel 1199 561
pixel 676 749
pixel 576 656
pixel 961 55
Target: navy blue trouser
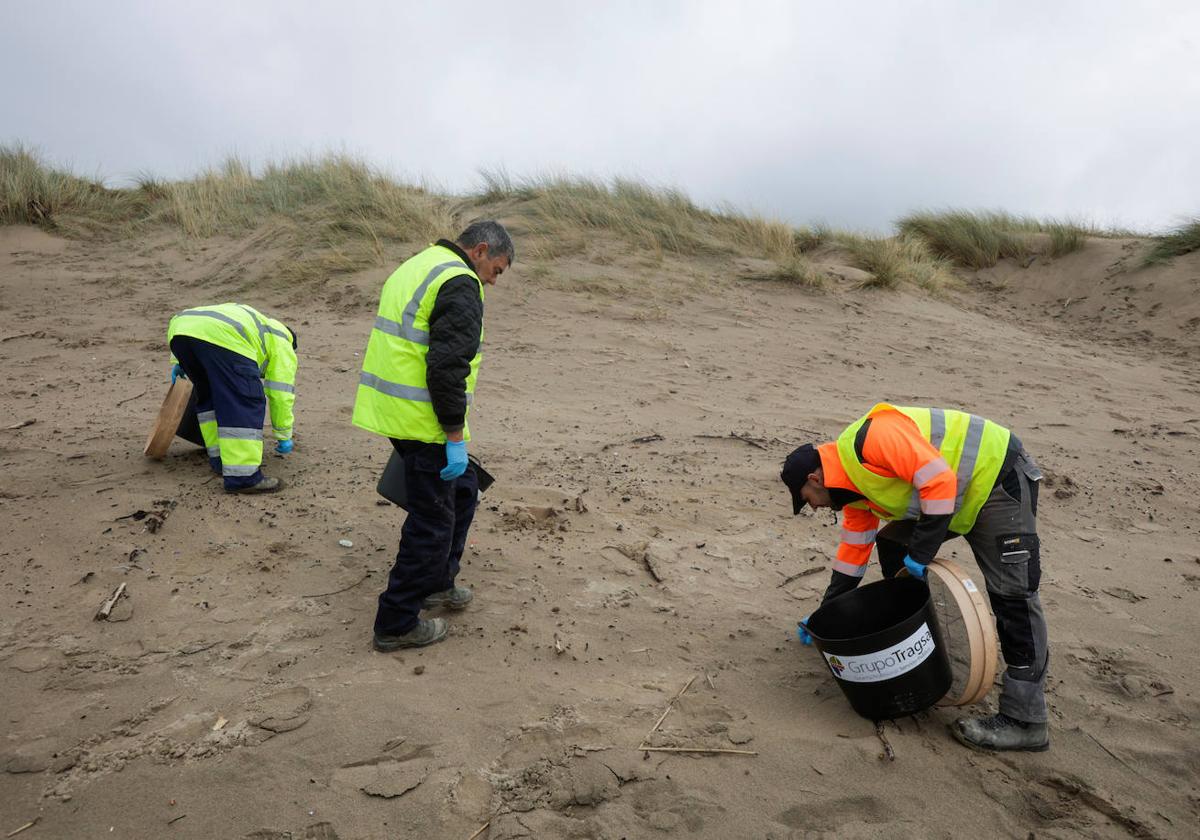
pixel 229 396
pixel 433 537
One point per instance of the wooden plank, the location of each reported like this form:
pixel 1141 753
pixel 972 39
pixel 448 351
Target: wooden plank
pixel 169 417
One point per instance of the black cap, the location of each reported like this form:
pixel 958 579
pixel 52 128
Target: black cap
pixel 803 462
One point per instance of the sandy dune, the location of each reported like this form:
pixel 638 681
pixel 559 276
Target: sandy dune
pixel 234 693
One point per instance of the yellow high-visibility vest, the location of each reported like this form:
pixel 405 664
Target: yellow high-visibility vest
pixel 393 397
pixel 265 341
pixel 972 446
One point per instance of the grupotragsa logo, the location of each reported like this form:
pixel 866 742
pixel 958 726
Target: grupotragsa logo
pixel 836 665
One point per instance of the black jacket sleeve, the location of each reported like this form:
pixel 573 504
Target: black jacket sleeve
pixel 455 325
pixel 927 537
pixel 840 584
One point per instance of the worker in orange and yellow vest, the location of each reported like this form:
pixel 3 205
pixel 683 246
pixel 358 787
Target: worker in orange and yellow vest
pixel 934 474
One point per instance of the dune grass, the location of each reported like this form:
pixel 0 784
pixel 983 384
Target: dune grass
pixel 33 193
pixel 1183 240
pixel 980 239
pixel 658 220
pixel 335 214
pixel 895 260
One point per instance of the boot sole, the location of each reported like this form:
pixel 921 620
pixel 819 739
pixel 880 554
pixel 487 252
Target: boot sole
pixel 444 605
pixel 983 748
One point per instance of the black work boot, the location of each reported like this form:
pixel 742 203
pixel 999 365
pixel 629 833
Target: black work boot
pixel 454 598
pixel 427 631
pixel 1001 732
pixel 267 485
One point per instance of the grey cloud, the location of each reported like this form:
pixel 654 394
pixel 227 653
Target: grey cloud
pixel 853 113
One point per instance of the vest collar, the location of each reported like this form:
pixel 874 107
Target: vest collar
pixel 458 251
pixel 841 489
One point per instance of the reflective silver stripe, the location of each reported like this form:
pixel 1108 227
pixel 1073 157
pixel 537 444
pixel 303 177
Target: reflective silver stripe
pixel 938 507
pixel 206 416
pixel 849 568
pixel 970 454
pixel 234 433
pixel 239 469
pixel 263 329
pixel 407 328
pixel 394 389
pixel 929 472
pixel 279 386
pixel 937 427
pixel 406 331
pixel 208 313
pixel 214 452
pixel 273 331
pixel 858 537
pixel 914 505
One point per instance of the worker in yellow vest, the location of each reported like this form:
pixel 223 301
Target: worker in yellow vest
pixel 934 474
pixel 239 361
pixel 416 388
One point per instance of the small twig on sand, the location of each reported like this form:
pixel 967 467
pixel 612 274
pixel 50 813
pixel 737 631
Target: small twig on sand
pixel 176 819
pixel 21 425
pixel 697 750
pixel 667 710
pixel 743 438
pixel 109 603
pixel 644 439
pixel 480 830
pixel 339 591
pixel 1107 750
pixel 888 752
pixel 711 684
pixel 130 399
pixel 29 824
pixel 805 572
pixel 35 334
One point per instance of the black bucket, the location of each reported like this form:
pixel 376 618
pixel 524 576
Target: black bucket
pixel 884 647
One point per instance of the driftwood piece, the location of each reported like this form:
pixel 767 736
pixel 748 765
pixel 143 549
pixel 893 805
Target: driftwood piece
pixel 107 607
pixel 698 750
pixel 167 423
pixel 888 752
pixel 755 442
pixel 805 572
pixel 667 710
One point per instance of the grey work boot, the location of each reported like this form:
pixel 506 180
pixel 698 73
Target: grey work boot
pixel 267 485
pixel 1000 732
pixel 454 598
pixel 427 631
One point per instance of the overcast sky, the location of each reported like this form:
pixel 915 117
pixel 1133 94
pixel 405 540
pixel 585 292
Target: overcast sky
pixel 846 112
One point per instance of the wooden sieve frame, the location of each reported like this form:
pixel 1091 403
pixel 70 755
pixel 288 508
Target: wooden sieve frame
pixel 980 627
pixel 169 417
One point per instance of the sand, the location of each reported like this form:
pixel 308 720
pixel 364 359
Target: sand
pixel 630 408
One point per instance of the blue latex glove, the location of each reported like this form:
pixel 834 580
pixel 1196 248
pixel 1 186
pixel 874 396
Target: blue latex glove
pixel 915 569
pixel 177 372
pixel 456 460
pixel 802 631
pixel 283 447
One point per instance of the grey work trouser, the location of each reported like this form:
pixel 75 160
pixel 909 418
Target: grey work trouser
pixel 1005 544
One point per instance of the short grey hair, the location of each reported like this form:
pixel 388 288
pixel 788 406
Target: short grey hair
pixel 493 233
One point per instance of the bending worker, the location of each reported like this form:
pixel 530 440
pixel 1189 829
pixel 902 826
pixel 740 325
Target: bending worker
pixel 416 388
pixel 934 474
pixel 238 360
